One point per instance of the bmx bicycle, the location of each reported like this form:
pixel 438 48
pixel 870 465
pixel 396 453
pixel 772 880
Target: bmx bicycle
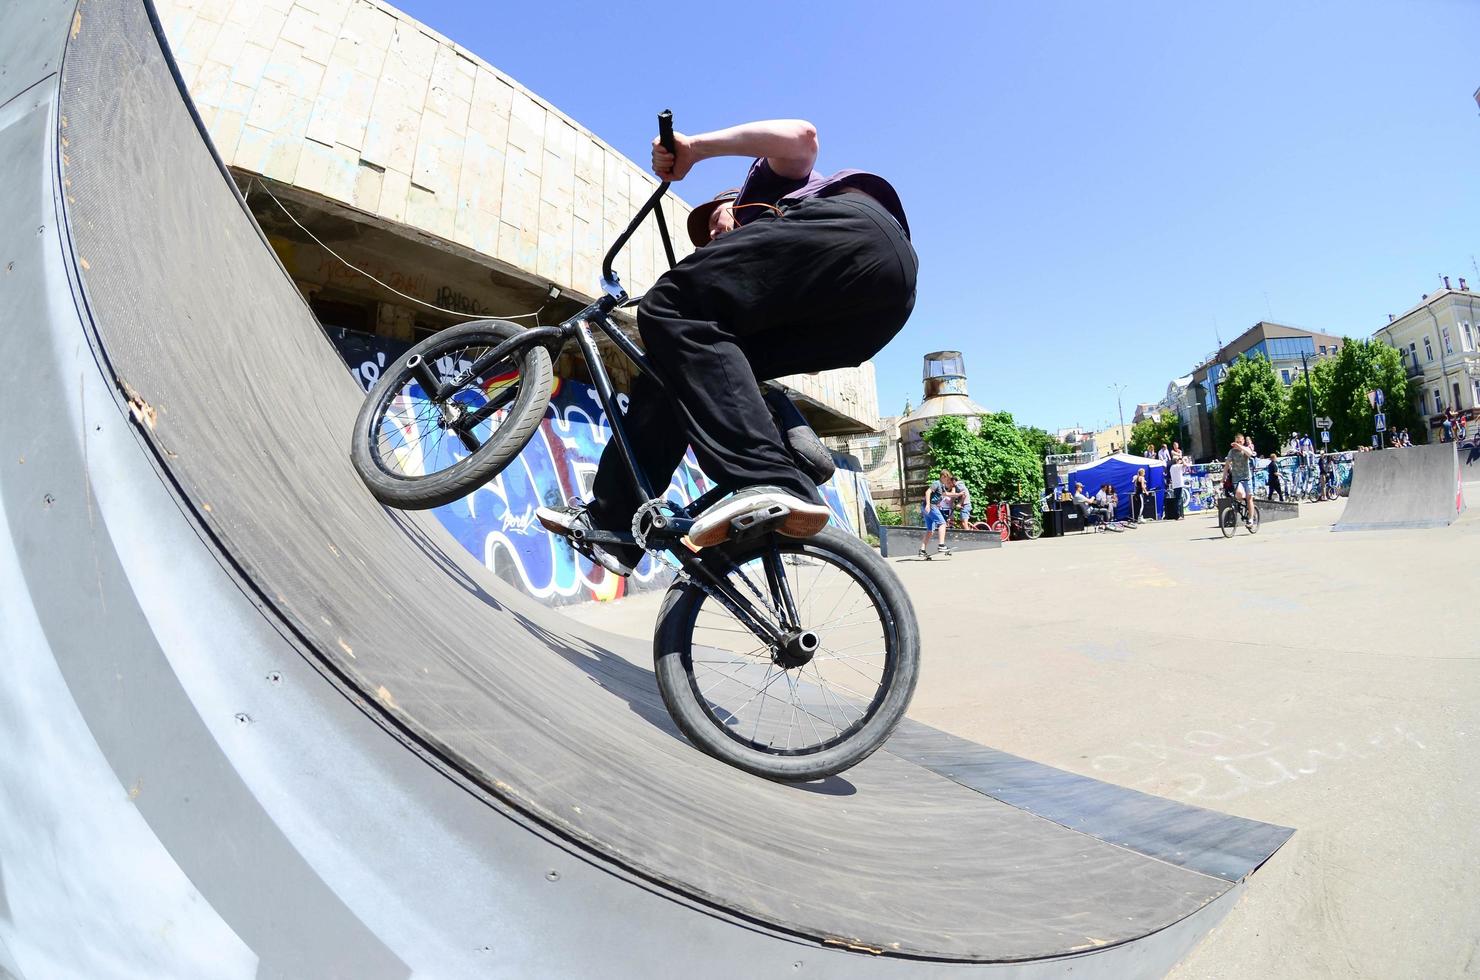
pixel 792 659
pixel 1231 514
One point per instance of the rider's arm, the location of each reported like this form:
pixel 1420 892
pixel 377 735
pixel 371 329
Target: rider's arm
pixel 789 146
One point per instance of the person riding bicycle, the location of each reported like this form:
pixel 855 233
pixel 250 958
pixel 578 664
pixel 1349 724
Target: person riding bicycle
pixel 795 272
pixel 1239 454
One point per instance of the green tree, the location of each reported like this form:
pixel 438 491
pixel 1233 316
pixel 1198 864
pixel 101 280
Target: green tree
pixel 1305 389
pixel 995 461
pixel 1251 400
pixel 1360 367
pixel 1148 434
pixel 1041 442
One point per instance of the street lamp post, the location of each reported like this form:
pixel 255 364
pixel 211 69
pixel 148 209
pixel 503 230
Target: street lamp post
pixel 1124 442
pixel 1309 391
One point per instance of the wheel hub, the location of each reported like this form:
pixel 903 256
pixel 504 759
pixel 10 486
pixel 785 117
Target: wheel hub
pixel 797 649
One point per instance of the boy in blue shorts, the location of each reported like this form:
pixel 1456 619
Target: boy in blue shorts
pixel 937 504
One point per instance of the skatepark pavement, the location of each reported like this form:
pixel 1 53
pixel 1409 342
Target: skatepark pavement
pixel 1325 681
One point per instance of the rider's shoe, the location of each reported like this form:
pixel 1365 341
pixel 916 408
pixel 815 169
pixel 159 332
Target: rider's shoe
pixel 924 555
pixel 944 549
pixel 778 510
pixel 572 517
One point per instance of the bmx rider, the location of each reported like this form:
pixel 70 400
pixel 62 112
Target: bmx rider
pixel 795 272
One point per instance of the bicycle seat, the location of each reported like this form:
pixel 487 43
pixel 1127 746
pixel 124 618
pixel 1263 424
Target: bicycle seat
pixel 807 450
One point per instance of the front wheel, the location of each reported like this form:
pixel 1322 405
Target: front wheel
pixel 416 450
pixel 1228 521
pixel 1252 522
pixel 808 708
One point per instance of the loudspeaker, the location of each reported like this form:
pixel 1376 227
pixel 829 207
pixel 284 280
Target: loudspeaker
pixel 1050 476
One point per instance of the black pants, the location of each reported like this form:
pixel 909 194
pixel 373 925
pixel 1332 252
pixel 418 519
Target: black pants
pixel 825 285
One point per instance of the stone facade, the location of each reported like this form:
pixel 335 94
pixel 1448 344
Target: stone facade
pixel 445 179
pixel 354 101
pixel 1440 342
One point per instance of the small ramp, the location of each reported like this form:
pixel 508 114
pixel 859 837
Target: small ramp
pixel 1411 487
pixel 259 725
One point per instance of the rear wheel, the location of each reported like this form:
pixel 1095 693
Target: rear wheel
pixel 815 705
pixel 1253 522
pixel 415 451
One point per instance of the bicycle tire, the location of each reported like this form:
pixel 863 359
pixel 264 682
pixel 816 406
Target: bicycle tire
pixel 533 374
pixel 1227 521
pixel 1033 527
pixel 674 648
pixel 1253 523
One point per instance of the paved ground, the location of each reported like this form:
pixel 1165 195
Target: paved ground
pixel 1329 682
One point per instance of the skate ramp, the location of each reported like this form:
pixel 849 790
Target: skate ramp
pixel 1412 487
pixel 261 725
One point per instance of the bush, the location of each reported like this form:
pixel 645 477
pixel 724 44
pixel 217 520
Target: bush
pixel 888 515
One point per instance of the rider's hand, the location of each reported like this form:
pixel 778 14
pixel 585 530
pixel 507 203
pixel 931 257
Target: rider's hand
pixel 674 166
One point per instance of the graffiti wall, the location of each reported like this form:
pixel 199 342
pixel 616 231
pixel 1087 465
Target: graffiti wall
pixel 496 523
pixel 1204 480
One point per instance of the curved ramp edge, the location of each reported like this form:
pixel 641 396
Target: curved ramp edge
pixel 1408 487
pixel 549 752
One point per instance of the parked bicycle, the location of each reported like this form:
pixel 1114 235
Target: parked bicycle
pixel 791 659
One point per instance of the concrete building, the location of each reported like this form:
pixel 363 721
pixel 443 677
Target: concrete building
pixel 419 185
pixel 1439 339
pixel 944 378
pixel 1282 344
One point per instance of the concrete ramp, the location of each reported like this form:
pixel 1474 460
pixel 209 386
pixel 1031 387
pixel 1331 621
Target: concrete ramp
pixel 1417 486
pixel 257 725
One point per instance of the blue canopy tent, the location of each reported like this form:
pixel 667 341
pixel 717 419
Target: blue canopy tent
pixel 1118 471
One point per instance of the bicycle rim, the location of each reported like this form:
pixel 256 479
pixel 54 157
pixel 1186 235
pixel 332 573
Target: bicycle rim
pixel 414 437
pixel 766 706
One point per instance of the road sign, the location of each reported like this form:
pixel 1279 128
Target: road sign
pixel 1325 435
pixel 1323 423
pixel 1380 397
pixel 1381 421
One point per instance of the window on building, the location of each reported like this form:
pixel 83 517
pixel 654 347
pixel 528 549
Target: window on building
pixel 1469 340
pixel 1413 349
pixel 1458 401
pixel 1285 376
pixel 1428 349
pixel 1438 401
pixel 1423 402
pixel 1476 383
pixel 1448 347
pixel 1323 349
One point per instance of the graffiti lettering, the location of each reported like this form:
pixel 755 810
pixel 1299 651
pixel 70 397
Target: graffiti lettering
pixel 496 523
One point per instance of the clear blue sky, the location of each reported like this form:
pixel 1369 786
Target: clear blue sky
pixel 1094 189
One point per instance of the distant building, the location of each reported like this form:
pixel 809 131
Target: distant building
pixel 944 378
pixel 1438 339
pixel 1144 411
pixel 1282 344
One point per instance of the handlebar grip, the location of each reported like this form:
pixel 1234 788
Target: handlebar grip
pixel 665 130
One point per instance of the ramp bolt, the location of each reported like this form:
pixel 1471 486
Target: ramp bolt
pixel 552 876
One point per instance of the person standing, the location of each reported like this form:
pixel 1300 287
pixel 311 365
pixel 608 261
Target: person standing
pixel 1447 433
pixel 936 505
pixel 1139 491
pixel 1275 488
pixel 1175 483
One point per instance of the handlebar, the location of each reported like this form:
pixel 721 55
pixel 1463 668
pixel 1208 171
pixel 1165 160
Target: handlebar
pixel 609 281
pixel 665 130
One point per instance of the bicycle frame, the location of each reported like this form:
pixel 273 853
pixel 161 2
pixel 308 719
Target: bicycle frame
pixel 666 530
